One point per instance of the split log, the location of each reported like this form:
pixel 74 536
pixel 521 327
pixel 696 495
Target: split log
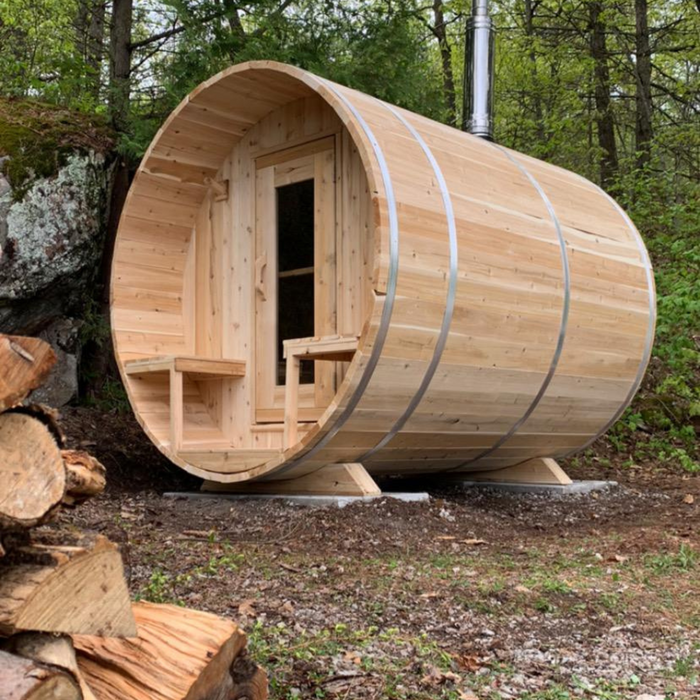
pixel 23 679
pixel 85 476
pixel 68 588
pixel 179 654
pixel 32 474
pixel 54 650
pixel 25 363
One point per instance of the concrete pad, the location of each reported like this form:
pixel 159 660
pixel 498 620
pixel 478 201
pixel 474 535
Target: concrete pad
pixel 305 500
pixel 552 489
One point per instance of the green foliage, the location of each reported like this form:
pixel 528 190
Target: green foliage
pixel 545 95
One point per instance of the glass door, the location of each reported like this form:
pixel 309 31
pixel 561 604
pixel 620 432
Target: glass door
pixel 295 293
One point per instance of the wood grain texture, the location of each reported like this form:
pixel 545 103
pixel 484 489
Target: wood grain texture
pixel 25 363
pixel 32 474
pixel 179 654
pixel 68 588
pixel 501 393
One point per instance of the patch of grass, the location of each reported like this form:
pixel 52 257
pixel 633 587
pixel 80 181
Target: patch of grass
pixel 159 588
pixel 685 559
pixel 687 667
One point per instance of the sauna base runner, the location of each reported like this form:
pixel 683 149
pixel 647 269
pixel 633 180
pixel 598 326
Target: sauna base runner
pixel 354 480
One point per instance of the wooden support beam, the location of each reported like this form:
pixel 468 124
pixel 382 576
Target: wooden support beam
pixel 177 410
pixel 291 401
pixel 350 479
pixel 540 470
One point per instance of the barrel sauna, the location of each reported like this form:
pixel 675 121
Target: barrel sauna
pixel 306 276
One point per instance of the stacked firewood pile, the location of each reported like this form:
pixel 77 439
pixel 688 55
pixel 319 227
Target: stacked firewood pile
pixel 68 630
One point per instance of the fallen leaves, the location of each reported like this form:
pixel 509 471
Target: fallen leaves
pixel 689 499
pixel 247 608
pixel 434 677
pixel 468 662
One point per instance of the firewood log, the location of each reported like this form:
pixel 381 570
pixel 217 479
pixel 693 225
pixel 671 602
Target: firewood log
pixel 32 473
pixel 23 679
pixel 45 648
pixel 77 586
pixel 179 654
pixel 24 365
pixel 85 476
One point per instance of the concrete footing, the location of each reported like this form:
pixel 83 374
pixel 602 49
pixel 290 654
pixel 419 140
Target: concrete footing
pixel 552 489
pixel 301 500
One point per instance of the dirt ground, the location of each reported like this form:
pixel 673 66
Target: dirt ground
pixel 473 594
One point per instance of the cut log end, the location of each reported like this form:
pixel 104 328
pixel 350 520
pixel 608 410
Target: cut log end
pixel 32 474
pixel 69 588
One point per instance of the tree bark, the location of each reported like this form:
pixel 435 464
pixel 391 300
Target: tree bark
pixel 604 117
pixel 448 82
pixel 23 679
pixel 51 649
pixel 643 123
pixel 85 476
pixel 120 64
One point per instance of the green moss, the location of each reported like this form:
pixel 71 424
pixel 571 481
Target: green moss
pixel 39 137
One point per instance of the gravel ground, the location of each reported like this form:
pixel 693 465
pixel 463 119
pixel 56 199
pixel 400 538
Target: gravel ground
pixel 473 594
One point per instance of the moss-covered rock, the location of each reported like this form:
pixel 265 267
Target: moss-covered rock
pixel 38 139
pixel 55 183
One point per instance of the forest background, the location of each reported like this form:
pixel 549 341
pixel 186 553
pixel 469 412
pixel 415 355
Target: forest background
pixel 607 88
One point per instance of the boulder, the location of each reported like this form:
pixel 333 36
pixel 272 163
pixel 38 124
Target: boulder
pixel 51 241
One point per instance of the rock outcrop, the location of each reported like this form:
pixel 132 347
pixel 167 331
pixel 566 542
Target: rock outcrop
pixel 53 214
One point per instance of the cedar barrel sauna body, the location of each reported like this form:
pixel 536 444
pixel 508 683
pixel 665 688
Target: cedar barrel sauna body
pixel 467 308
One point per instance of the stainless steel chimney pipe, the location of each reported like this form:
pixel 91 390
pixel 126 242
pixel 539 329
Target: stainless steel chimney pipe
pixel 478 72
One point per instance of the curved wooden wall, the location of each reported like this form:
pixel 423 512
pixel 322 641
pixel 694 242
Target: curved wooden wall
pixel 514 306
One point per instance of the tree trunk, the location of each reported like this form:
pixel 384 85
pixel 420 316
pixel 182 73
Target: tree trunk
pixel 90 23
pixel 643 126
pixel 532 56
pixel 200 654
pixel 120 64
pixel 26 363
pixel 604 116
pixel 448 82
pixel 66 584
pixel 23 679
pixel 32 475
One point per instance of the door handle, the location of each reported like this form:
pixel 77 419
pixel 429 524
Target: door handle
pixel 260 265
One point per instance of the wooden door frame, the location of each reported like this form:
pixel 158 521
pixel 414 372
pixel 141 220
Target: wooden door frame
pixel 317 160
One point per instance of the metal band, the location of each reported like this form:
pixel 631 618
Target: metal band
pixel 385 319
pixel 649 340
pixel 451 289
pixel 562 326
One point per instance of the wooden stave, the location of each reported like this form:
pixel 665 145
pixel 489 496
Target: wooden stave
pixel 297 460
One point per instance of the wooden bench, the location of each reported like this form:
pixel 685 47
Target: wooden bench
pixel 176 366
pixel 335 348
